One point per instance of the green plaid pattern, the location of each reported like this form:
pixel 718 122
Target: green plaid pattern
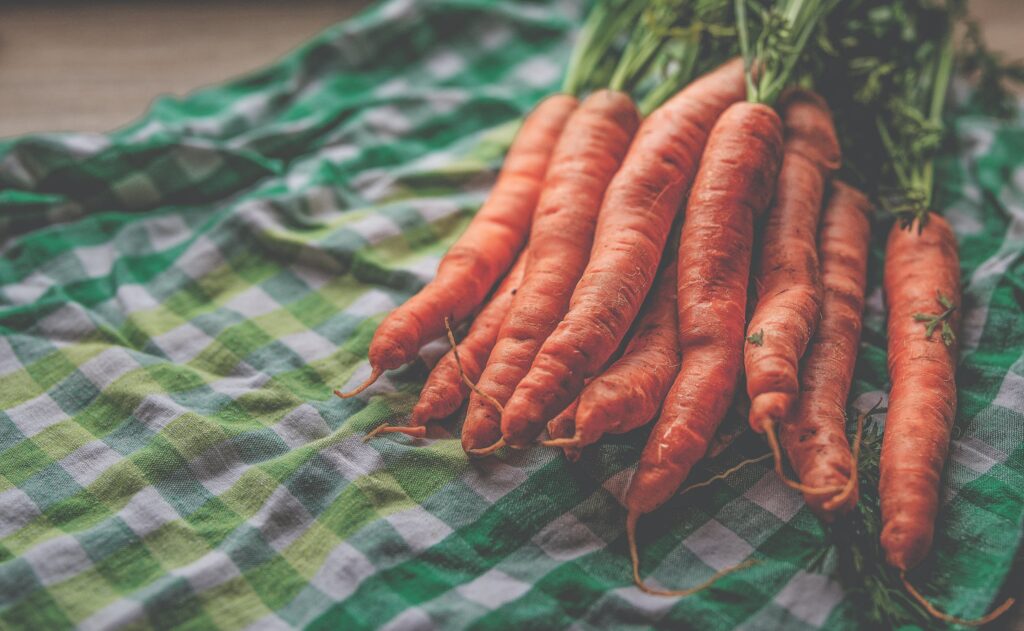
pixel 178 299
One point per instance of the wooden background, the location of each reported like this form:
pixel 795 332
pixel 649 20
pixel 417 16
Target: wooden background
pixel 96 65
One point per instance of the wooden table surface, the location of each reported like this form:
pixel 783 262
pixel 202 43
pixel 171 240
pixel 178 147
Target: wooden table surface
pixel 94 66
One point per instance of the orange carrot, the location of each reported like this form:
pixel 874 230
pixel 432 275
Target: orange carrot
pixel 562 427
pixel 585 159
pixel 445 390
pixel 814 437
pixel 922 289
pixel 483 253
pixel 734 185
pixel 635 220
pixel 629 393
pixel 787 278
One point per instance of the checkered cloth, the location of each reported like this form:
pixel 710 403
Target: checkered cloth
pixel 178 299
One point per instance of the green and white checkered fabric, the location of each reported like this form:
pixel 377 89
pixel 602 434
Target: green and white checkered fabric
pixel 178 299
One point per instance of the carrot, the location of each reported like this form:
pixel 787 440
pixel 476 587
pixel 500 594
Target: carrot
pixel 787 278
pixel 814 437
pixel 584 161
pixel 563 427
pixel 483 253
pixel 635 220
pixel 445 390
pixel 734 185
pixel 629 393
pixel 922 288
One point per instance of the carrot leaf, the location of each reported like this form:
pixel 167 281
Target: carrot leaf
pixel 782 32
pixel 885 68
pixel 673 41
pixel 941 321
pixel 595 44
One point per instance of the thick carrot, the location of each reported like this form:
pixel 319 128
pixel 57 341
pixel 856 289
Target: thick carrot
pixel 485 250
pixel 629 393
pixel 787 277
pixel 733 186
pixel 922 288
pixel 814 437
pixel 635 220
pixel 445 389
pixel 585 159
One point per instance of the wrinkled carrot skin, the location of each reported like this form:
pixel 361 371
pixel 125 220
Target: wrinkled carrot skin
pixel 922 401
pixel 445 390
pixel 564 426
pixel 787 277
pixel 635 220
pixel 629 394
pixel 586 157
pixel 734 185
pixel 487 248
pixel 814 436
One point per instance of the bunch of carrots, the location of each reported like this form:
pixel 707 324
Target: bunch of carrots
pixel 673 226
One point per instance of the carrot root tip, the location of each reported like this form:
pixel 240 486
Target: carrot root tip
pixel 419 431
pixel 631 519
pixel 374 376
pixel 462 373
pixel 773 442
pixel 945 617
pixel 561 442
pixel 851 484
pixel 376 431
pixel 486 451
pixel 725 474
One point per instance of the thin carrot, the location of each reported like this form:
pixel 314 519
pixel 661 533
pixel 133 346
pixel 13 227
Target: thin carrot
pixel 734 185
pixel 814 437
pixel 585 159
pixel 635 220
pixel 787 277
pixel 483 253
pixel 629 393
pixel 922 289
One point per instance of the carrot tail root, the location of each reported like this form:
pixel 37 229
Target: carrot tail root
pixel 462 373
pixel 419 431
pixel 561 442
pixel 945 617
pixel 374 433
pixel 483 451
pixel 773 442
pixel 634 555
pixel 725 474
pixel 851 483
pixel 486 451
pixel 374 376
